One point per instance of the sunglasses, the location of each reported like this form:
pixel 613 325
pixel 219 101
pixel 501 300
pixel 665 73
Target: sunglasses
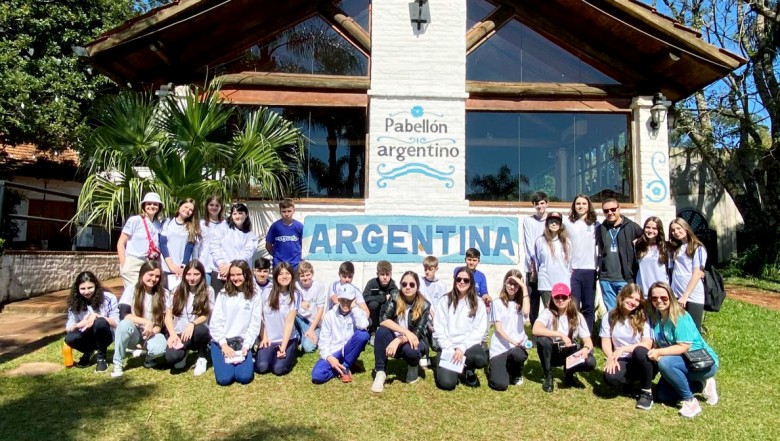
pixel 561 298
pixel 462 280
pixel 662 299
pixel 610 210
pixel 408 284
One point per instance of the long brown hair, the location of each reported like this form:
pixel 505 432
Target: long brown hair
pixel 417 303
pixel 572 314
pixel 693 242
pixel 504 296
pixel 276 289
pixel 220 217
pixel 158 293
pixel 247 288
pixel 471 293
pixel 636 317
pixel 191 223
pixel 643 243
pixel 200 303
pixel 589 217
pixel 562 235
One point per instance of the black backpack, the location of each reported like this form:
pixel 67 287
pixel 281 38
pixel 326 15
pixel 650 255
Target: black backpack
pixel 714 292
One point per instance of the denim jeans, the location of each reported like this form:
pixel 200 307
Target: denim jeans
pixel 302 325
pixel 677 382
pixel 128 336
pixel 610 290
pixel 347 356
pixel 384 336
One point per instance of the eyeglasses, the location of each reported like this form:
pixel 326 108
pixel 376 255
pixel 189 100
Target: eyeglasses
pixel 408 284
pixel 610 210
pixel 462 280
pixel 662 299
pixel 560 298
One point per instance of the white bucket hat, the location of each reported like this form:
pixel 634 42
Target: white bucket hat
pixel 153 198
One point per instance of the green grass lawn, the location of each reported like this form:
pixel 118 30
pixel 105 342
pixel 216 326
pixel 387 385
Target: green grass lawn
pixel 753 282
pixel 154 404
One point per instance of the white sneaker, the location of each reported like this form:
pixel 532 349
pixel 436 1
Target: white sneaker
pixel 118 371
pixel 425 362
pixel 690 408
pixel 711 391
pixel 518 381
pixel 379 382
pixel 137 352
pixel 200 367
pixel 181 365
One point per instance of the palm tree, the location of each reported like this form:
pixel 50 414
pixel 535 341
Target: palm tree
pixel 190 146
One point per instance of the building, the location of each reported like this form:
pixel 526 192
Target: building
pixel 431 122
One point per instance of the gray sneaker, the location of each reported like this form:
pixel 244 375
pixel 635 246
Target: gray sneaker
pixel 412 374
pixel 645 401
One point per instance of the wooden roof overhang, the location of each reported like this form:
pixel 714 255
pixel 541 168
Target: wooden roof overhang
pixel 641 49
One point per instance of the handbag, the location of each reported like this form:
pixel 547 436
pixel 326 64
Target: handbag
pixel 152 253
pixel 698 360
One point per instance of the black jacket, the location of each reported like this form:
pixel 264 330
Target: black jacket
pixel 375 293
pixel 629 231
pixel 419 326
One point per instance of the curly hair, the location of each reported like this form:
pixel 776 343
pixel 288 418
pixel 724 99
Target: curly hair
pixel 76 301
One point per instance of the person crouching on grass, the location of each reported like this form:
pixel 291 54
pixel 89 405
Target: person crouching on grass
pixel 92 318
pixel 403 324
pixel 343 337
pixel 279 338
pixel 556 330
pixel 507 345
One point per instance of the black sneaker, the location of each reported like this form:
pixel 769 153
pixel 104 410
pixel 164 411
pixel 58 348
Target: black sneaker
pixel 547 386
pixel 572 381
pixel 102 365
pixel 412 374
pixel 645 401
pixel 84 360
pixel 470 378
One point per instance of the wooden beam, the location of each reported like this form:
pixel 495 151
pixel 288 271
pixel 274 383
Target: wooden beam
pixel 616 105
pixel 550 90
pixel 350 28
pixel 293 98
pixel 288 80
pixel 487 27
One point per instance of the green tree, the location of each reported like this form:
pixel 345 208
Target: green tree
pixel 187 146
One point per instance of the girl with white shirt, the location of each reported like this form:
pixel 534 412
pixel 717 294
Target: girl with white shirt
pixel 403 325
pixel 556 331
pixel 179 240
pixel 279 339
pixel 581 227
pixel 651 255
pixel 235 325
pixel 93 316
pixel 688 260
pixel 187 311
pixel 235 242
pixel 142 312
pixel 211 222
pixel 552 256
pixel 508 344
pixel 626 338
pixel 314 297
pixel 140 239
pixel 459 326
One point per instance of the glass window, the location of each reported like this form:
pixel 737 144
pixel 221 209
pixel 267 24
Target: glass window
pixel 511 155
pixel 335 150
pixel 515 53
pixel 476 10
pixel 311 46
pixel 357 10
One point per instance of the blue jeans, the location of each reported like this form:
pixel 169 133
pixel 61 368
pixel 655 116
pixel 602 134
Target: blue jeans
pixel 228 373
pixel 382 339
pixel 677 383
pixel 129 336
pixel 323 372
pixel 610 290
pixel 302 326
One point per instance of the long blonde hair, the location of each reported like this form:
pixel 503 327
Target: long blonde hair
pixel 675 309
pixel 417 303
pixel 636 317
pixel 693 242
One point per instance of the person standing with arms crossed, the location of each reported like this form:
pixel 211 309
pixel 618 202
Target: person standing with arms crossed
pixel 533 227
pixel 615 244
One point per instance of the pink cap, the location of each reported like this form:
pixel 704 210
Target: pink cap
pixel 561 289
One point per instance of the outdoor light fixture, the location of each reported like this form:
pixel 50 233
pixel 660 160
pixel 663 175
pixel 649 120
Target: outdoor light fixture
pixel 419 14
pixel 658 111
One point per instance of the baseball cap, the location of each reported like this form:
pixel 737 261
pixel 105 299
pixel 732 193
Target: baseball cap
pixel 346 292
pixel 560 289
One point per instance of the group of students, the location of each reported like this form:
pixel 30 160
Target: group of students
pixel 256 323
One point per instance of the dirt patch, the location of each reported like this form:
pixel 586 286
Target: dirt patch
pixel 34 369
pixel 753 296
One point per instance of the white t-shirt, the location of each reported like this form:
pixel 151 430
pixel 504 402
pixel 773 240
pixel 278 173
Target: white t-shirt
pixel 563 324
pixel 683 270
pixel 274 319
pixel 314 297
pixel 138 242
pixel 180 322
pixel 551 268
pixel 177 237
pixel 532 229
pixel 650 271
pixel 127 299
pixel 511 322
pixel 207 233
pixel 623 334
pixel 583 243
pixel 432 290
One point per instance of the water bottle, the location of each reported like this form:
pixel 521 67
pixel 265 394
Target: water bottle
pixel 528 344
pixel 67 355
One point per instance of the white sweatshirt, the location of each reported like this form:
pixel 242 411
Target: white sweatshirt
pixel 453 328
pixel 236 317
pixel 338 328
pixel 229 244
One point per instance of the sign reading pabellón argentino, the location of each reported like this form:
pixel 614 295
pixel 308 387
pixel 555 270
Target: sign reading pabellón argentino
pixel 410 238
pixel 412 142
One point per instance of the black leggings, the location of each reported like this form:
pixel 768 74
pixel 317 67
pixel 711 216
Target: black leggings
pixel 384 336
pixel 199 342
pixel 505 367
pixel 696 310
pixel 475 359
pixel 550 356
pixel 98 337
pixel 635 368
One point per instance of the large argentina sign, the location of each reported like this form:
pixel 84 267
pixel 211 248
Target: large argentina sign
pixel 410 238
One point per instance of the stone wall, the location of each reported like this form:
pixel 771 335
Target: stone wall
pixel 26 274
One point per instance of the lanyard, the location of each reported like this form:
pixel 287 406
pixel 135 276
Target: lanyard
pixel 614 236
